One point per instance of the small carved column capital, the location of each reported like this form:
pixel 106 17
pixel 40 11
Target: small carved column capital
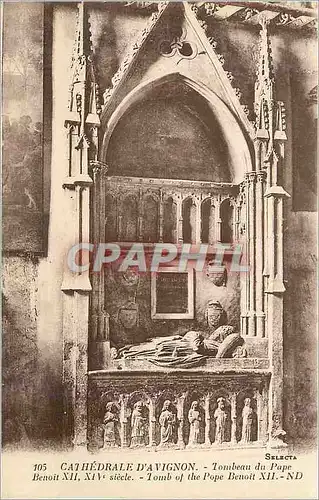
pixel 250 177
pixel 97 168
pixel 261 176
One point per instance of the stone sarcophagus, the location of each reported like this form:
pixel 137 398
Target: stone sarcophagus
pixel 176 410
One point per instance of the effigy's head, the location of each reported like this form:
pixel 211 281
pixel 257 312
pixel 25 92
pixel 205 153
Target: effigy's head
pixel 247 401
pixel 194 405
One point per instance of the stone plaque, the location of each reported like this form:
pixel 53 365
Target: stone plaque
pixel 172 294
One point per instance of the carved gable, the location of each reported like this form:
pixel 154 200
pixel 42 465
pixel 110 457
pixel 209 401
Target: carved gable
pixel 175 42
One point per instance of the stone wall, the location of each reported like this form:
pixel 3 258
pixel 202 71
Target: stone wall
pixel 32 396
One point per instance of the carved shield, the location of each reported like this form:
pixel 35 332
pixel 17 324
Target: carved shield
pixel 128 316
pixel 216 274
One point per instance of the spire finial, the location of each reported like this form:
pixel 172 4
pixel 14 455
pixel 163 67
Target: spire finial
pixel 265 75
pixel 83 99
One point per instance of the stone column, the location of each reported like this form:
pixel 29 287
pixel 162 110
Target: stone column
pixel 140 216
pixel 161 217
pixel 180 419
pixel 212 223
pixel 96 200
pixel 198 223
pixel 251 179
pixel 266 240
pixel 124 422
pixel 260 313
pixel 233 416
pixel 236 222
pixel 270 136
pixel 279 235
pixel 207 420
pixel 119 219
pixel 276 383
pixel 82 121
pixel 261 396
pixel 101 353
pixel 259 401
pixel 99 321
pixel 275 292
pixel 179 219
pixel 244 277
pixel 152 422
pixel 218 220
pixel 76 288
pixel 70 353
pixel 80 414
pixel 265 413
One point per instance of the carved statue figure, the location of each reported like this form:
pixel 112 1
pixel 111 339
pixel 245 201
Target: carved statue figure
pixel 110 424
pixel 220 416
pixel 167 421
pixel 194 419
pixel 138 425
pixel 247 415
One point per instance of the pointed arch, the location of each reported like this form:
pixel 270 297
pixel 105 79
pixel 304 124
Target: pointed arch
pixel 239 144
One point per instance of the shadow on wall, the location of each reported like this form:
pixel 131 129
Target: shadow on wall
pixel 303 80
pixel 300 337
pixel 105 53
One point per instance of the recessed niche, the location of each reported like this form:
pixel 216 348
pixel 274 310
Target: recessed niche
pixel 170 134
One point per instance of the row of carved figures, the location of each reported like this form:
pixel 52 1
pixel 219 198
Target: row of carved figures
pixel 168 423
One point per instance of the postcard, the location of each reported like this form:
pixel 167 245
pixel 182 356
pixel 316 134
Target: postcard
pixel 159 215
